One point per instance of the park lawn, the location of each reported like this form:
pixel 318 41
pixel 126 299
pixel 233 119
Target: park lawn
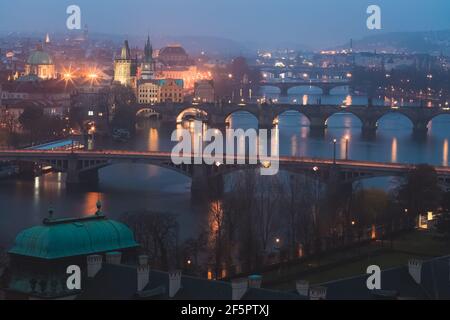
pixel 415 244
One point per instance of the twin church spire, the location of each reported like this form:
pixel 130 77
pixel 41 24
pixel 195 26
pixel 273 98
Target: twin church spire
pixel 148 64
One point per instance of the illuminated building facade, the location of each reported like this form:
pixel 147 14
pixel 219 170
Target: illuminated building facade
pixel 40 64
pixel 125 68
pixel 171 90
pixel 148 92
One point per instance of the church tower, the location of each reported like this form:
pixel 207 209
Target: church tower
pixel 148 65
pixel 125 67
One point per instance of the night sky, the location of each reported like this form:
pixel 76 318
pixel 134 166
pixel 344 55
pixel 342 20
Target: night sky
pixel 312 22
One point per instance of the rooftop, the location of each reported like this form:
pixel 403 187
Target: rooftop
pixel 60 238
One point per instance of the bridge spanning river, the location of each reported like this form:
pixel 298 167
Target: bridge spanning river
pixel 219 115
pixel 325 85
pixel 84 165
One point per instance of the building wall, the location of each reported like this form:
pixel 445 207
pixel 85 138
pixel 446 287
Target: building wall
pixel 171 92
pixel 148 93
pixel 204 91
pixel 123 73
pixel 44 72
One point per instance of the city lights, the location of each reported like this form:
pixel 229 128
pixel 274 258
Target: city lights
pixel 224 152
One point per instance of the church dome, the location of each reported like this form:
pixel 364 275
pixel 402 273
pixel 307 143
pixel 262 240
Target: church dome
pixel 173 55
pixel 173 50
pixel 39 57
pixel 60 238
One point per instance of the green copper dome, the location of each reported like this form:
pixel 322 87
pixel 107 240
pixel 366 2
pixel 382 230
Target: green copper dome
pixel 73 237
pixel 39 57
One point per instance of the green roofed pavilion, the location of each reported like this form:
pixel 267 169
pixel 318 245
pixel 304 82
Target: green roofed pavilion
pixel 62 238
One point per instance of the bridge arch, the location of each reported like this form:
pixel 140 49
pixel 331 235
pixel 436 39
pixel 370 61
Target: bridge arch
pixel 304 118
pixel 393 112
pixel 335 88
pixel 438 117
pixel 147 113
pixel 229 115
pixel 312 89
pixel 269 89
pixel 349 122
pixel 192 112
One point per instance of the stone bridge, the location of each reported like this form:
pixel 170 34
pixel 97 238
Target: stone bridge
pixel 83 166
pixel 325 86
pixel 218 115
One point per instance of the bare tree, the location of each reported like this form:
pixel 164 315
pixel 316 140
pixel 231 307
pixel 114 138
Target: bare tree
pixel 158 235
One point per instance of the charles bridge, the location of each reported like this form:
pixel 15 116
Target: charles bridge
pixel 219 115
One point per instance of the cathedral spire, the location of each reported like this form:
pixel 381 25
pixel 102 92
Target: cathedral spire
pixel 126 53
pixel 148 51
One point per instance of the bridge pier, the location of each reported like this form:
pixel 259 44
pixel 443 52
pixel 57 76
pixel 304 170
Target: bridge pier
pixel 284 91
pixel 420 129
pixel 265 121
pixel 326 91
pixel 317 126
pixel 204 186
pixel 369 129
pixel 73 176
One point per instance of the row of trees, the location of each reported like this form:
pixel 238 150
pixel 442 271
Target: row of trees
pixel 291 216
pixel 264 219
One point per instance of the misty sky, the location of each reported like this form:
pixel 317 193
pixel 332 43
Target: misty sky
pixel 311 22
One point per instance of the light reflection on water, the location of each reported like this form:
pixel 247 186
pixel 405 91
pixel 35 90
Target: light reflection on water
pixel 125 187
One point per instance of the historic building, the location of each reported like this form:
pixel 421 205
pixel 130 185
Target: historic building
pixel 112 267
pixel 148 64
pixel 204 91
pixel 174 55
pixel 171 90
pixel 40 64
pixel 148 92
pixel 161 90
pixel 125 67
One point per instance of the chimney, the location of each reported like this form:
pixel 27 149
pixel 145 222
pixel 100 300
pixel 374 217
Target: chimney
pixel 94 264
pixel 415 269
pixel 239 288
pixel 318 293
pixel 302 287
pixel 113 257
pixel 254 281
pixel 174 282
pixel 143 260
pixel 143 276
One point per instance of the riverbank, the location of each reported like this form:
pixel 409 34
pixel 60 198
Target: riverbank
pixel 415 244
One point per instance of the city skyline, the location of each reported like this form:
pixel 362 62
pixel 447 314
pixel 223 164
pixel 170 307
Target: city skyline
pixel 266 22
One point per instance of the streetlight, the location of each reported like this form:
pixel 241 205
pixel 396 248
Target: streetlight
pixel 334 151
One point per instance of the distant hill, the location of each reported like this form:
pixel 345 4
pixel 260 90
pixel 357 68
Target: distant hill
pixel 414 42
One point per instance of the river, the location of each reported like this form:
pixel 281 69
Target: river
pixel 125 187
